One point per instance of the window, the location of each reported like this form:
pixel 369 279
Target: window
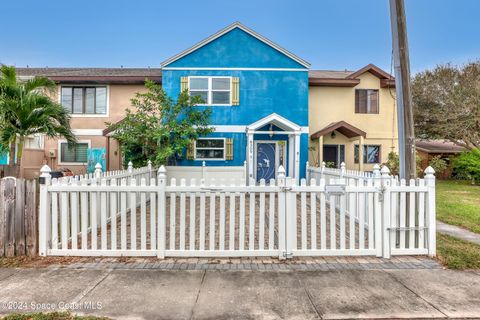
pixel 73 154
pixel 371 154
pixel 210 149
pixel 84 100
pixel 366 101
pixel 213 90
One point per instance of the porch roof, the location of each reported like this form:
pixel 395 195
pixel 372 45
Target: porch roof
pixel 343 127
pixel 276 120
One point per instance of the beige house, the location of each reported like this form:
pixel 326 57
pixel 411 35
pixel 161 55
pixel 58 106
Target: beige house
pixel 352 117
pixel 94 96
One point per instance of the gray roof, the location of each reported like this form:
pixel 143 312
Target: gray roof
pixel 329 74
pixel 90 72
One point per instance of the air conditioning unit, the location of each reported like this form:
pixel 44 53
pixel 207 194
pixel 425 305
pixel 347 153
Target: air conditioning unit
pixel 52 153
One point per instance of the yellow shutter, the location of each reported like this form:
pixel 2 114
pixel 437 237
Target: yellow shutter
pixel 191 150
pixel 229 150
pixel 183 84
pixel 235 91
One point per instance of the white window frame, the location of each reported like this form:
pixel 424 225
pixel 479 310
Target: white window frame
pixel 95 115
pixel 211 159
pixel 59 153
pixel 210 89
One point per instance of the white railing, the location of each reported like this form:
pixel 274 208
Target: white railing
pixel 334 173
pixel 131 216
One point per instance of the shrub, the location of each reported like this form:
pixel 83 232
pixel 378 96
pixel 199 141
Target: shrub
pixel 468 165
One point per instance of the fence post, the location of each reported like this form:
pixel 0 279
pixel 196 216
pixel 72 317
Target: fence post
pixel 203 169
pixel 431 214
pixel 377 207
pixel 245 171
pixel 130 167
pixel 161 231
pixel 386 214
pixel 43 211
pixel 98 171
pixel 342 169
pixel 149 166
pixel 281 213
pixel 322 170
pixel 307 171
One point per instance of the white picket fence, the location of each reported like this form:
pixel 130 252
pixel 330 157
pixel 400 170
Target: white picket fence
pixel 122 215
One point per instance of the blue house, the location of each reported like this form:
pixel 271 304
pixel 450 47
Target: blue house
pixel 258 93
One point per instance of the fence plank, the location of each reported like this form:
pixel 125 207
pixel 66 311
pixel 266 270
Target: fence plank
pixel 20 217
pixel 241 227
pixel 222 221
pixel 271 218
pixel 143 217
pixel 421 216
pixel 54 217
pixel 3 221
pixel 231 236
pixel 343 204
pixel 182 216
pixel 84 215
pixel 193 210
pixel 153 217
pixel 411 217
pixel 133 217
pixel 403 215
pixel 123 217
pixel 202 218
pixel 261 222
pixel 113 216
pixel 303 204
pixel 9 207
pixel 74 218
pixel 30 218
pixel 323 221
pixel 173 213
pixel 313 217
pixel 212 222
pixel 251 229
pixel 370 208
pixel 333 223
pixel 93 220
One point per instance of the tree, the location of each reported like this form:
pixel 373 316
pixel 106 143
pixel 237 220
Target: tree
pixel 467 165
pixel 160 129
pixel 447 104
pixel 25 110
pixel 393 163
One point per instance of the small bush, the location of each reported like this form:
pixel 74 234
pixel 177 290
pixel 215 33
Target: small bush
pixel 468 165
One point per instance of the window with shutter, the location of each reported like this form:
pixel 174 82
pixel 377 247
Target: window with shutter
pixel 366 101
pixel 229 149
pixel 235 91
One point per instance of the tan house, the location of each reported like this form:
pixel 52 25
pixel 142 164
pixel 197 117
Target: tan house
pixel 94 96
pixel 352 117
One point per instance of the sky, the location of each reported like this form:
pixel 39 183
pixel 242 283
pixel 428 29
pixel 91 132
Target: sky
pixel 330 34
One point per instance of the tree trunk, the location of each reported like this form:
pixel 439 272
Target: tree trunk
pixel 11 169
pixel 19 172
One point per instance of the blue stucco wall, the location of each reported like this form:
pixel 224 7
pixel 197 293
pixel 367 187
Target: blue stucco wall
pixel 262 92
pixel 236 49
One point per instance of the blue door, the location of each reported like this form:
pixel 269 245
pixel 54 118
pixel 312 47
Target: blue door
pixel 266 161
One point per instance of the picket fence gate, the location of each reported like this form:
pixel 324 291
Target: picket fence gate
pixel 130 214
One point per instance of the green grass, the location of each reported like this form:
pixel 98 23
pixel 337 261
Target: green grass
pixel 48 316
pixel 458 203
pixel 457 254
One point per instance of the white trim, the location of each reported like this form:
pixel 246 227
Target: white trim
pixel 228 29
pixel 243 129
pixel 77 115
pixel 88 132
pixel 275 119
pixel 210 159
pixel 59 155
pixel 234 69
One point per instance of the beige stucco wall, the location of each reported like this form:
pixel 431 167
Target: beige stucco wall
pixel 332 104
pixel 119 97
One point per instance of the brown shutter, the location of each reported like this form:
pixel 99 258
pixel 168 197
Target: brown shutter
pixel 191 150
pixel 229 149
pixel 361 101
pixel 235 91
pixel 373 108
pixel 357 101
pixel 183 84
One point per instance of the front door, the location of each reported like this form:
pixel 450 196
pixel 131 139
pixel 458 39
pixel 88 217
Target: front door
pixel 266 160
pixel 333 154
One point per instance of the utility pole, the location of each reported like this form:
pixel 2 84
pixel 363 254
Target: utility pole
pixel 406 134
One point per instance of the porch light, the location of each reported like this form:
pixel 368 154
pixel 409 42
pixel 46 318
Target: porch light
pixel 333 135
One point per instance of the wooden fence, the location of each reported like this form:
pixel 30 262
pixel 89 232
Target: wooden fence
pixel 18 217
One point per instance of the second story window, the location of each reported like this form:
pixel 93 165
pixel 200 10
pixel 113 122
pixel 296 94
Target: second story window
pixel 213 90
pixel 85 100
pixel 366 101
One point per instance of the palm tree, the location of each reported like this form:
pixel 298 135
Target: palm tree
pixel 25 110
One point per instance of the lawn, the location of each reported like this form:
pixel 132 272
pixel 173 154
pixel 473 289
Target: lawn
pixel 458 203
pixel 457 254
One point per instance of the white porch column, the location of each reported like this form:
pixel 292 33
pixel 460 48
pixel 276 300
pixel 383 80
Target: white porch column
pixel 291 156
pixel 320 151
pixel 250 156
pixel 360 153
pixel 297 157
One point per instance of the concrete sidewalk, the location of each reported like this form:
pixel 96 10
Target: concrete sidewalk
pixel 230 294
pixel 458 232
